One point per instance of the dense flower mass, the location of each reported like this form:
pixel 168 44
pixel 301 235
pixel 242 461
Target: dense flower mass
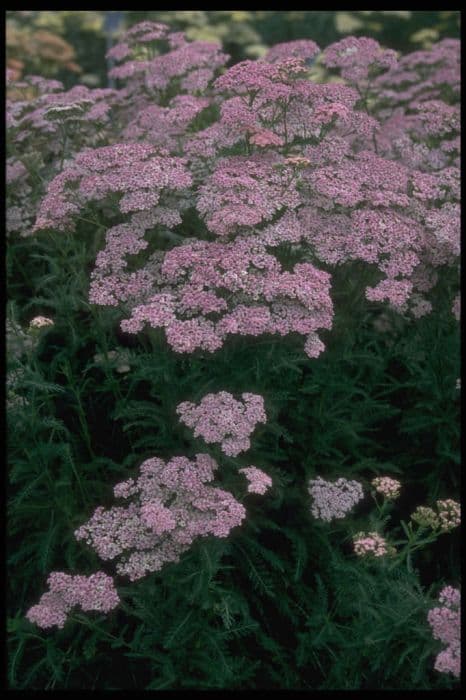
pixel 366 171
pixel 169 505
pixel 95 592
pixel 445 622
pixel 332 500
pixel 137 171
pixel 211 290
pixel 221 418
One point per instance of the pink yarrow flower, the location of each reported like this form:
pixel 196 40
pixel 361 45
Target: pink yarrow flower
pixel 333 500
pixel 370 543
pixel 221 418
pixel 90 593
pixel 390 488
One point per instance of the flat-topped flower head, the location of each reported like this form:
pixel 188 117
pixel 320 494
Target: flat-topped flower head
pixel 306 49
pixel 334 500
pixel 242 192
pixel 138 172
pixel 91 593
pixel 388 487
pixel 40 322
pixel 221 418
pixel 371 544
pixel 359 58
pixel 449 513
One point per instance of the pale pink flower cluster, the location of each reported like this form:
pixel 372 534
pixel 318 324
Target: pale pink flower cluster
pixel 370 543
pixel 445 622
pixel 449 513
pixel 169 505
pixel 423 75
pixel 192 64
pixel 221 418
pixel 332 500
pixel 40 322
pixel 388 487
pixel 90 593
pixel 258 481
pixel 138 171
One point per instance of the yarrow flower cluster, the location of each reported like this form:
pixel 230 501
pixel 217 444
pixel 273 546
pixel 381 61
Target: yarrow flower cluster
pixel 389 488
pixel 258 481
pixel 40 322
pixel 221 418
pixel 446 519
pixel 91 593
pixel 445 622
pixel 169 505
pixel 449 513
pixel 332 500
pixel 221 197
pixel 371 543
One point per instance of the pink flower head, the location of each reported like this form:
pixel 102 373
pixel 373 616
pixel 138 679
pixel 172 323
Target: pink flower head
pixel 357 57
pixel 221 418
pixel 333 500
pixel 390 488
pixel 90 593
pixel 370 543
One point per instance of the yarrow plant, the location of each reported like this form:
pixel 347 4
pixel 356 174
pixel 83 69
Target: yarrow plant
pixel 245 201
pixel 389 488
pixel 220 418
pixel 445 621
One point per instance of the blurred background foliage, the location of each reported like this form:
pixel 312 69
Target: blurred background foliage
pixel 70 44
